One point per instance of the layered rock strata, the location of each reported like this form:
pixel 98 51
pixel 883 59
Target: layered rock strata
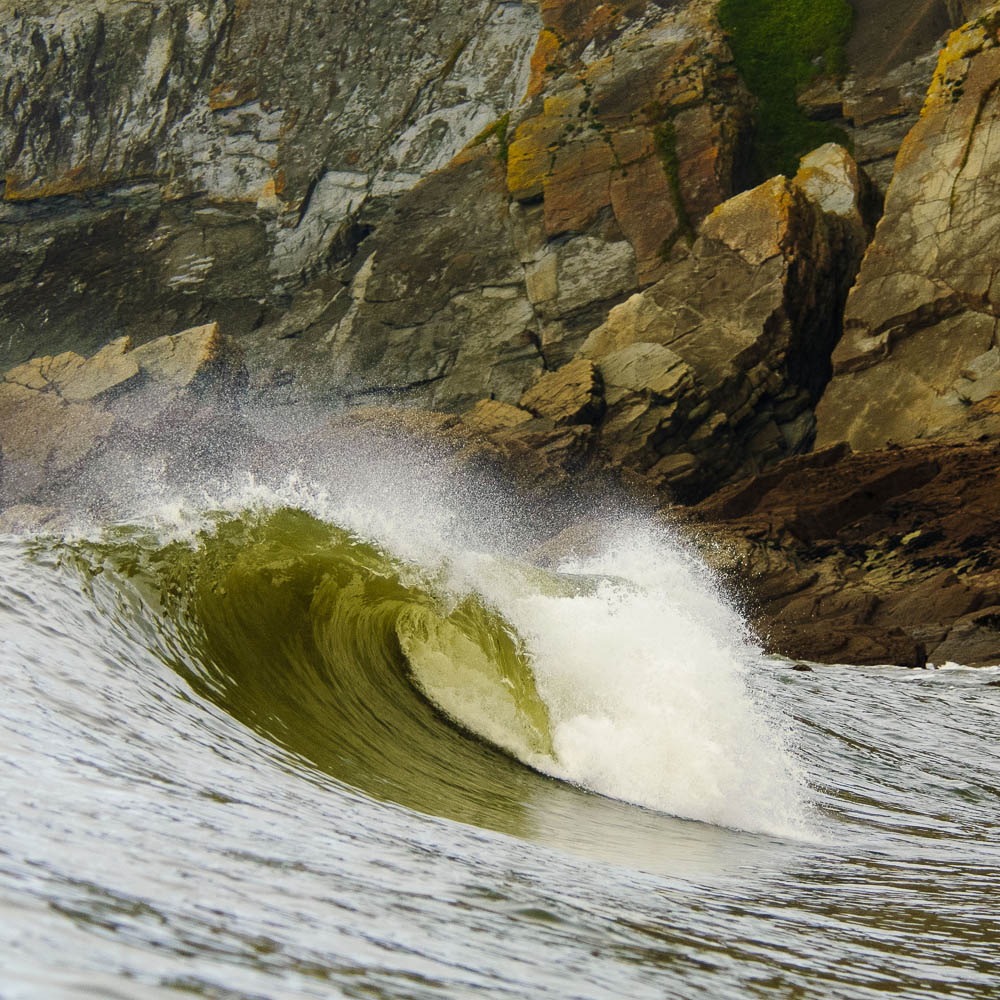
pixel 714 371
pixel 891 56
pixel 498 266
pixel 206 158
pixel 882 557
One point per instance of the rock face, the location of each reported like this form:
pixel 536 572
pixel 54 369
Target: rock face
pixel 714 371
pixel 882 557
pixel 891 55
pixel 921 326
pixel 57 413
pixel 522 234
pixel 204 158
pixel 711 372
pixel 632 131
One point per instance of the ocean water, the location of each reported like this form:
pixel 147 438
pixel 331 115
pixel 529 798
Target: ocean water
pixel 339 734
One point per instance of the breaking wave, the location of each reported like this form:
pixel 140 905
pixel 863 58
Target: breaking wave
pixel 417 666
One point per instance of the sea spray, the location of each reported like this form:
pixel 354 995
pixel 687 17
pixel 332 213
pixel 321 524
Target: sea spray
pixel 622 670
pixel 647 674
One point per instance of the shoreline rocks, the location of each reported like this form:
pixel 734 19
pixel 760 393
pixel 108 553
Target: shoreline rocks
pixel 887 556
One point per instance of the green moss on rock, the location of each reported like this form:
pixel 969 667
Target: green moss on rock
pixel 779 47
pixel 665 138
pixel 497 130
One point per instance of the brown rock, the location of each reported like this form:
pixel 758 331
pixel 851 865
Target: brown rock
pixel 57 412
pixel 831 642
pixel 543 456
pixel 577 185
pixel 734 340
pixel 571 395
pixel 644 202
pixel 837 549
pixel 112 369
pixel 830 178
pixel 645 368
pixel 179 361
pixel 973 640
pixel 43 437
pixel 489 416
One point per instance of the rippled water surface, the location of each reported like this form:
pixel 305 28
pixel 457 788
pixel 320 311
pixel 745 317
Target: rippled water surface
pixel 259 758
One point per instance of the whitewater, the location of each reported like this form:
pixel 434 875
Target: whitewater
pixel 365 729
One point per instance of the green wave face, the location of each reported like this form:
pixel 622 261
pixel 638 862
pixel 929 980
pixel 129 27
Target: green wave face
pixel 341 655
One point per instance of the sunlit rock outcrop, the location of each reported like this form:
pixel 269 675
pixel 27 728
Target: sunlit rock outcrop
pixel 920 343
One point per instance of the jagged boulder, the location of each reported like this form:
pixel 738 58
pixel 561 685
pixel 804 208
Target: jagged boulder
pixel 574 394
pixel 733 343
pixel 921 326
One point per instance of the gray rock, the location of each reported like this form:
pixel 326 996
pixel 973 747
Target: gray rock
pixel 207 158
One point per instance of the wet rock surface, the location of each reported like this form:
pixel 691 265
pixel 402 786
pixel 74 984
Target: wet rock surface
pixel 63 418
pixel 886 556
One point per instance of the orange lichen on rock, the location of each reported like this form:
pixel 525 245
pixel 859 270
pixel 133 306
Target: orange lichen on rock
pixel 529 158
pixel 642 201
pixel 578 185
pixel 229 96
pixel 542 59
pixel 268 197
pixel 74 180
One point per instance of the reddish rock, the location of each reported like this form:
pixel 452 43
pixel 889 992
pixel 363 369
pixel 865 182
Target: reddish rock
pixel 835 550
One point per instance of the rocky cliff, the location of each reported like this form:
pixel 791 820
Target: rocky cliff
pixel 536 234
pixel 205 158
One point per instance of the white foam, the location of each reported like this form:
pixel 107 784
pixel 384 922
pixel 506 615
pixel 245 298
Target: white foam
pixel 647 675
pixel 648 683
